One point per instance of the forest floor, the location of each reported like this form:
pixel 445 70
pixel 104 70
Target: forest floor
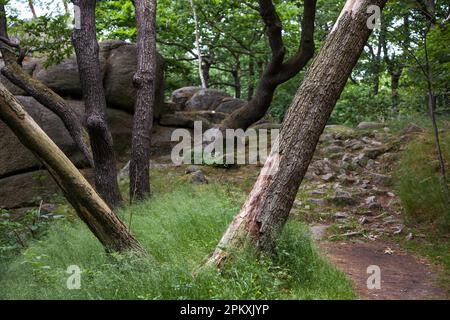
pixel 355 216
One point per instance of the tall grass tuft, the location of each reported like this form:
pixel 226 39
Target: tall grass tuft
pixel 419 183
pixel 180 226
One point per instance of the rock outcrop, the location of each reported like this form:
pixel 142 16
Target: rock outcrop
pixel 118 60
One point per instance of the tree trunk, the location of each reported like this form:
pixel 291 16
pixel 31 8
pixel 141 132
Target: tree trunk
pixel 33 11
pixel 237 79
pixel 395 84
pixel 87 52
pixel 206 69
pixel 144 81
pixel 198 44
pixel 267 208
pixel 251 80
pixel 66 7
pixel 14 73
pixel 278 71
pixel 103 222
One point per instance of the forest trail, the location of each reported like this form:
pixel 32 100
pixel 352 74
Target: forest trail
pixel 403 276
pixel 349 203
pixel 369 214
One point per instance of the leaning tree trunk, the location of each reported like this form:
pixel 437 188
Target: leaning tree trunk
pixel 87 52
pixel 144 81
pixel 267 208
pixel 49 99
pixel 100 219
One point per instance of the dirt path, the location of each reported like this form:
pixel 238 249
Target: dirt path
pixel 348 200
pixel 403 277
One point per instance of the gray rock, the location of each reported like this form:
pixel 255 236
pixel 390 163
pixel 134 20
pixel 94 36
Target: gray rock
pixel 381 179
pixel 318 232
pixel 28 189
pixel 229 105
pixel 120 67
pixel 206 99
pixel 198 177
pixel 370 125
pixel 183 120
pixel 413 128
pixel 374 153
pixel 118 61
pixel 361 160
pixel 192 169
pixel 319 202
pixel 333 149
pixel 62 78
pixel 328 177
pixel 183 95
pixel 15 159
pixel 340 215
pixel 341 197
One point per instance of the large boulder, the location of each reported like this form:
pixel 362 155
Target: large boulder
pixel 118 61
pixel 206 99
pixel 62 78
pixel 370 125
pixel 181 96
pixel 28 189
pixel 120 68
pixel 229 105
pixel 183 120
pixel 15 158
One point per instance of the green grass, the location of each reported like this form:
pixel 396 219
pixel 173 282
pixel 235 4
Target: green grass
pixel 419 184
pixel 179 227
pixel 435 247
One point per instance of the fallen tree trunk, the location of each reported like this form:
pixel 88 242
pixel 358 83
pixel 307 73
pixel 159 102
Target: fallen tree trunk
pixel 100 219
pixel 267 208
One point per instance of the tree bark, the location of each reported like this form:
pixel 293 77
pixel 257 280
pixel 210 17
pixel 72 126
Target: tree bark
pixel 100 219
pixel 237 78
pixel 33 11
pixel 267 208
pixel 87 52
pixel 144 82
pixel 251 80
pixel 395 84
pixel 278 71
pixel 198 44
pixel 44 95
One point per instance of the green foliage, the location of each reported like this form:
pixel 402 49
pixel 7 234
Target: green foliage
pixel 47 36
pixel 419 184
pixel 357 104
pixel 180 228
